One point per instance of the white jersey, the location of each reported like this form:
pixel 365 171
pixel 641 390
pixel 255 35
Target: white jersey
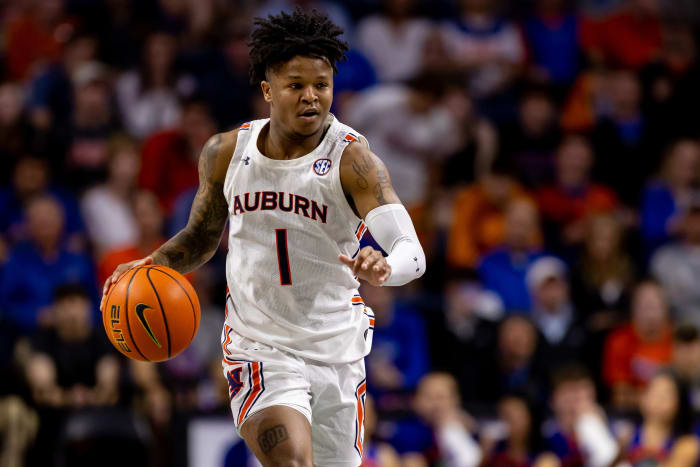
pixel 288 221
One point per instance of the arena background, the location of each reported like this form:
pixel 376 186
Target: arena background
pixel 546 149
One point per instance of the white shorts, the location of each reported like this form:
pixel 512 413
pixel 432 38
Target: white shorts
pixel 330 396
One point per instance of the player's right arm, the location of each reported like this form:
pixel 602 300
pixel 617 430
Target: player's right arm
pixel 195 244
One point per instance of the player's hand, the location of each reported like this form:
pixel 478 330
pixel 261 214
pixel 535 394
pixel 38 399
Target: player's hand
pixel 121 269
pixel 369 265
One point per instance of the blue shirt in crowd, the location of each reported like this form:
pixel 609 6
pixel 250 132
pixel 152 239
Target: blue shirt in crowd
pixel 504 273
pixel 28 281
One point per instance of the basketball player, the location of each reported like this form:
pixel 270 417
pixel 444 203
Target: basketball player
pixel 295 189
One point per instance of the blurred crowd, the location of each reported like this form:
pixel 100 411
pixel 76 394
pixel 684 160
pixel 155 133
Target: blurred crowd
pixel 548 152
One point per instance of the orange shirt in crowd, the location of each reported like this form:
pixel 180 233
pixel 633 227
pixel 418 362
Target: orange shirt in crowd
pixel 623 38
pixel 478 225
pixel 628 359
pixel 28 42
pixel 111 259
pixel 563 208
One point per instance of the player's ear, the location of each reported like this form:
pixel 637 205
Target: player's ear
pixel 267 95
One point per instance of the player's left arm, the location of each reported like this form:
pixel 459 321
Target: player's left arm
pixel 367 185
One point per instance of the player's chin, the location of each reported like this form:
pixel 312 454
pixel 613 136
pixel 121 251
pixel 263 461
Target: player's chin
pixel 304 126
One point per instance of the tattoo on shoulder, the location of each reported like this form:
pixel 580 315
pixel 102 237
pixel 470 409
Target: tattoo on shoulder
pixel 271 437
pixel 362 166
pixel 382 184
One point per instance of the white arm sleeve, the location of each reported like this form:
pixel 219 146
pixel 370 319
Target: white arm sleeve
pixel 392 228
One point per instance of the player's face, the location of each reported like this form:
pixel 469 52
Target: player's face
pixel 300 93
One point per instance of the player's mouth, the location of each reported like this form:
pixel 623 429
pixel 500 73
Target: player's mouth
pixel 309 115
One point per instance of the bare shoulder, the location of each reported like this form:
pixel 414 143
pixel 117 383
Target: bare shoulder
pixel 358 163
pixel 365 178
pixel 217 153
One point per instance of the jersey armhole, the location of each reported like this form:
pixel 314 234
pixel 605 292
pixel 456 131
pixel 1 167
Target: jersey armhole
pixel 338 184
pixel 242 138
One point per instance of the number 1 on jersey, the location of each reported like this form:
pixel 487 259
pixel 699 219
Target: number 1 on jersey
pixel 283 257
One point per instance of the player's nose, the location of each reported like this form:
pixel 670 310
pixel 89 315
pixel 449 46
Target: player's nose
pixel 309 95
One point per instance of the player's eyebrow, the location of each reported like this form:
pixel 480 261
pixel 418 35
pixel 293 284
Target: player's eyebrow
pixel 321 76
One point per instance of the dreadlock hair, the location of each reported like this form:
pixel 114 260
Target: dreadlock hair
pixel 281 37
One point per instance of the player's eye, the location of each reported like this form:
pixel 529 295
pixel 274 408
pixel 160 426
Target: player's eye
pixel 322 85
pixel 295 86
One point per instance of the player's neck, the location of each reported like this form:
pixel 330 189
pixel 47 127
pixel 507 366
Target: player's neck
pixel 275 143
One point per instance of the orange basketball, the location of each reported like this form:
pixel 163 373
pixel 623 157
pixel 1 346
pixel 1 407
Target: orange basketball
pixel 151 313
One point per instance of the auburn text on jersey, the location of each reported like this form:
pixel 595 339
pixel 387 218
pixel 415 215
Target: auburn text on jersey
pixel 287 202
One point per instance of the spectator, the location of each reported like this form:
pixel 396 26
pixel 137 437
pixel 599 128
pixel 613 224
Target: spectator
pixel 93 122
pixel 16 134
pixel 225 83
pixel 34 37
pixel 148 98
pixel 553 33
pixel 522 444
pixel 511 365
pixel 635 351
pixel 623 140
pixel 148 217
pixel 394 40
pixel 400 356
pixel 30 178
pixel 503 269
pixel 466 325
pixel 605 272
pixel 666 200
pixel 442 431
pixel 630 37
pixel 39 265
pixel 475 154
pixel 677 267
pixel 567 204
pixel 685 365
pixel 479 217
pixel 528 143
pixel 18 428
pixel 489 47
pixel 553 312
pixel 72 364
pixel 50 93
pixel 169 158
pixel 410 127
pixel 663 437
pixel 107 207
pixel 578 434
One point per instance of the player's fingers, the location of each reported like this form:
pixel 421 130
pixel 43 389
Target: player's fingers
pixel 346 260
pixel 360 258
pixel 373 258
pixel 385 276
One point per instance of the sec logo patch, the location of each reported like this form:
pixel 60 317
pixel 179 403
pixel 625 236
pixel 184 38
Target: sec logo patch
pixel 322 166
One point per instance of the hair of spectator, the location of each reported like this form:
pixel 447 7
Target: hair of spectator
pixel 686 333
pixel 70 290
pixel 279 38
pixel 683 421
pixel 570 373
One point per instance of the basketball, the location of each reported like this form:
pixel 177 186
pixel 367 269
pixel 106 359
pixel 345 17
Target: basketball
pixel 151 313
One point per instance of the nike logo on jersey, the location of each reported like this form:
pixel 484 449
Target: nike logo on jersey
pixel 140 310
pixel 246 160
pixel 287 202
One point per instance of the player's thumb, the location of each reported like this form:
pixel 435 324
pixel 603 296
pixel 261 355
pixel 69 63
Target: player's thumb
pixel 147 260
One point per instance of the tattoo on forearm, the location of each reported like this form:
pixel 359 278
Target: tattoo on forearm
pixel 272 437
pixel 362 167
pixel 382 184
pixel 197 242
